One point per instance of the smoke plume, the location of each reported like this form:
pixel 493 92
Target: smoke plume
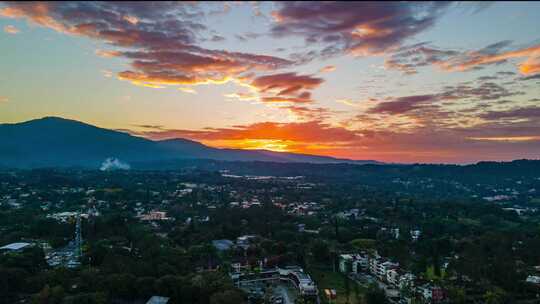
pixel 112 163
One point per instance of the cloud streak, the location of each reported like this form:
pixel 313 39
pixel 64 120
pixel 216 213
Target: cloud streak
pixel 161 40
pixel 10 29
pixel 358 28
pixel 409 59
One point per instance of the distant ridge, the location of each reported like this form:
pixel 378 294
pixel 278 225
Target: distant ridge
pixel 60 142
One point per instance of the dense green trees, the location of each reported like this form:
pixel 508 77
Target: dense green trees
pixel 489 250
pixel 375 295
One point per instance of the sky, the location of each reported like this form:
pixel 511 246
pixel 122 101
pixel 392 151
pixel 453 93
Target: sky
pixel 407 82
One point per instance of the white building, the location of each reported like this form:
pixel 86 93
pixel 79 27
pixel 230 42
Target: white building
pixel 395 233
pixel 384 267
pixel 530 279
pixel 302 281
pixel 158 300
pixel 392 276
pixel 415 234
pixel 154 216
pixel 15 246
pixel 406 280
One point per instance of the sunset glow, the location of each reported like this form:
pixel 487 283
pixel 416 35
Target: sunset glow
pixel 393 81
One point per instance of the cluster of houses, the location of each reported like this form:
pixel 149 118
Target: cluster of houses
pixel 246 204
pixel 351 214
pixel 300 209
pixel 241 242
pixel 389 272
pixel 154 216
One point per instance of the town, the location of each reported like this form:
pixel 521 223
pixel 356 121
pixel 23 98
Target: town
pixel 196 236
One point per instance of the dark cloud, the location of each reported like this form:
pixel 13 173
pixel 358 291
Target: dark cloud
pixel 286 87
pixel 247 36
pixel 485 91
pixel 532 112
pixel 494 55
pixel 160 38
pixel 487 78
pixel 494 48
pixel 402 105
pixel 309 114
pixel 409 59
pixel 153 127
pixel 356 27
pixel 532 77
pixel 506 73
pixel 217 38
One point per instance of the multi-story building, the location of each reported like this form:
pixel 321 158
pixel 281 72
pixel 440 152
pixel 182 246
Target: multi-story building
pixel 301 280
pixel 392 276
pixel 384 267
pixel 353 262
pixel 406 280
pixel 431 293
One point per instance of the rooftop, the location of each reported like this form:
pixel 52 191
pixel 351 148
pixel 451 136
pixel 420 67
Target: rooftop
pixel 15 246
pixel 158 300
pixel 222 244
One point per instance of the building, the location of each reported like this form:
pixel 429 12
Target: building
pixel 239 266
pixel 353 262
pixel 295 275
pixel 64 216
pixel 301 280
pixel 431 293
pixel 384 267
pixel 392 276
pixel 15 247
pixel 374 264
pixel 395 233
pixel 530 279
pixel 244 241
pixel 330 294
pixel 406 280
pixel 415 234
pixel 158 300
pixel 223 245
pixel 345 263
pixel 154 216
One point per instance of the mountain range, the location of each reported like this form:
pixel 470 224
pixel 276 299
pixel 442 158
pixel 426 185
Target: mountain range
pixel 59 142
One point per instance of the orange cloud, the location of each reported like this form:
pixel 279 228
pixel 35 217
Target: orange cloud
pixel 357 28
pixel 474 59
pixel 328 68
pixel 308 114
pixel 302 98
pixel 107 53
pixel 423 145
pixel 10 29
pixel 37 12
pixel 286 87
pixel 242 96
pixel 131 19
pixel 159 39
pixel 107 73
pixel 188 90
pixel 530 66
pixel 312 131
